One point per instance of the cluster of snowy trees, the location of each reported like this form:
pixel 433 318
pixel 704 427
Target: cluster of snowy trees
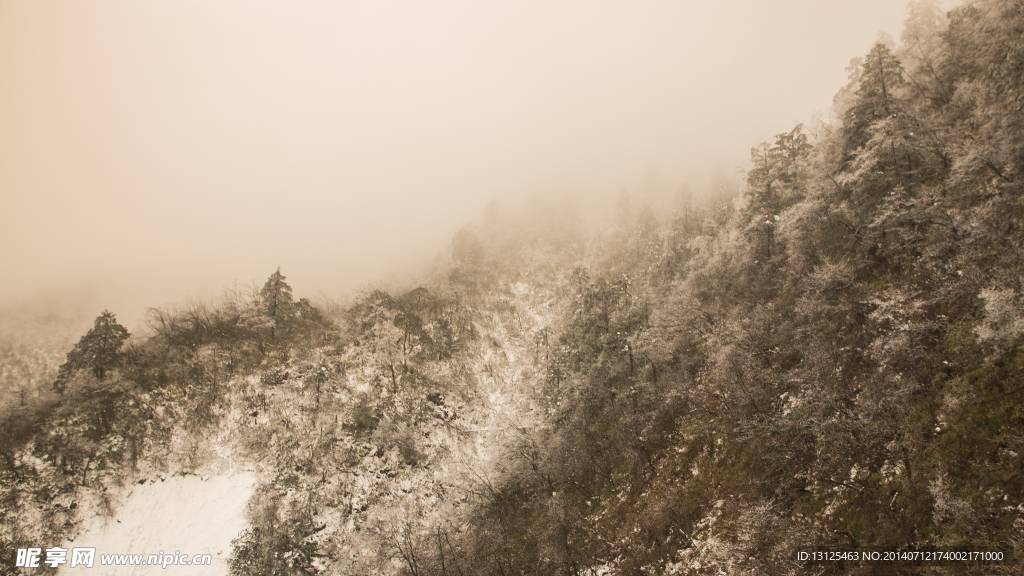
pixel 832 359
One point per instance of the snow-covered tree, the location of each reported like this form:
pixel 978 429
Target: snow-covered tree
pixel 97 351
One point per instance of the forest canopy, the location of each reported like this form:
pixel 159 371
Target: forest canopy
pixel 832 360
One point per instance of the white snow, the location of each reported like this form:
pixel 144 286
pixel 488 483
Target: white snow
pixel 181 513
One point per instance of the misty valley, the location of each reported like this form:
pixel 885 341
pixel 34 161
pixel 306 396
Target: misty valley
pixel 819 373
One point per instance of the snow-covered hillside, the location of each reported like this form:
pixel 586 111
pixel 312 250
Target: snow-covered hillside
pixel 187 514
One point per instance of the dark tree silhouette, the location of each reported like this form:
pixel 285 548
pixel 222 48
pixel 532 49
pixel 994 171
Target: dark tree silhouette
pixel 276 302
pixel 97 351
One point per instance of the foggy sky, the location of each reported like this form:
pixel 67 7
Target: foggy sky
pixel 152 152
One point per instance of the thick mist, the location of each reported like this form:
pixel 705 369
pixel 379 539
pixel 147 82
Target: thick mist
pixel 155 152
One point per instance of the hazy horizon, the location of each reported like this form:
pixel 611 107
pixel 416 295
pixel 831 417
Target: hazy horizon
pixel 155 153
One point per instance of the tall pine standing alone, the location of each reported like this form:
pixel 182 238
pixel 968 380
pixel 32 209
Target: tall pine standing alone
pixel 98 351
pixel 276 302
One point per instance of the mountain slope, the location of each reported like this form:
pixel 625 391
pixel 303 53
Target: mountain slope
pixel 833 360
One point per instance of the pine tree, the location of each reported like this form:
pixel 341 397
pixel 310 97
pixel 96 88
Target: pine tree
pixel 276 302
pixel 97 351
pixel 773 185
pixel 880 78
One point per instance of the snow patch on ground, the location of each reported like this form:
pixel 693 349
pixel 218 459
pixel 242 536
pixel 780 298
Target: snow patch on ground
pixel 180 513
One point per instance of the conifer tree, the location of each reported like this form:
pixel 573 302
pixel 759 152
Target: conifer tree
pixel 97 351
pixel 881 76
pixel 276 302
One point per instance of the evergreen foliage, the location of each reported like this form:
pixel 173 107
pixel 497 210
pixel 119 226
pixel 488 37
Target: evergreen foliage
pixel 835 360
pixel 97 351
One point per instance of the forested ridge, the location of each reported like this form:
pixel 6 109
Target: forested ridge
pixel 832 359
